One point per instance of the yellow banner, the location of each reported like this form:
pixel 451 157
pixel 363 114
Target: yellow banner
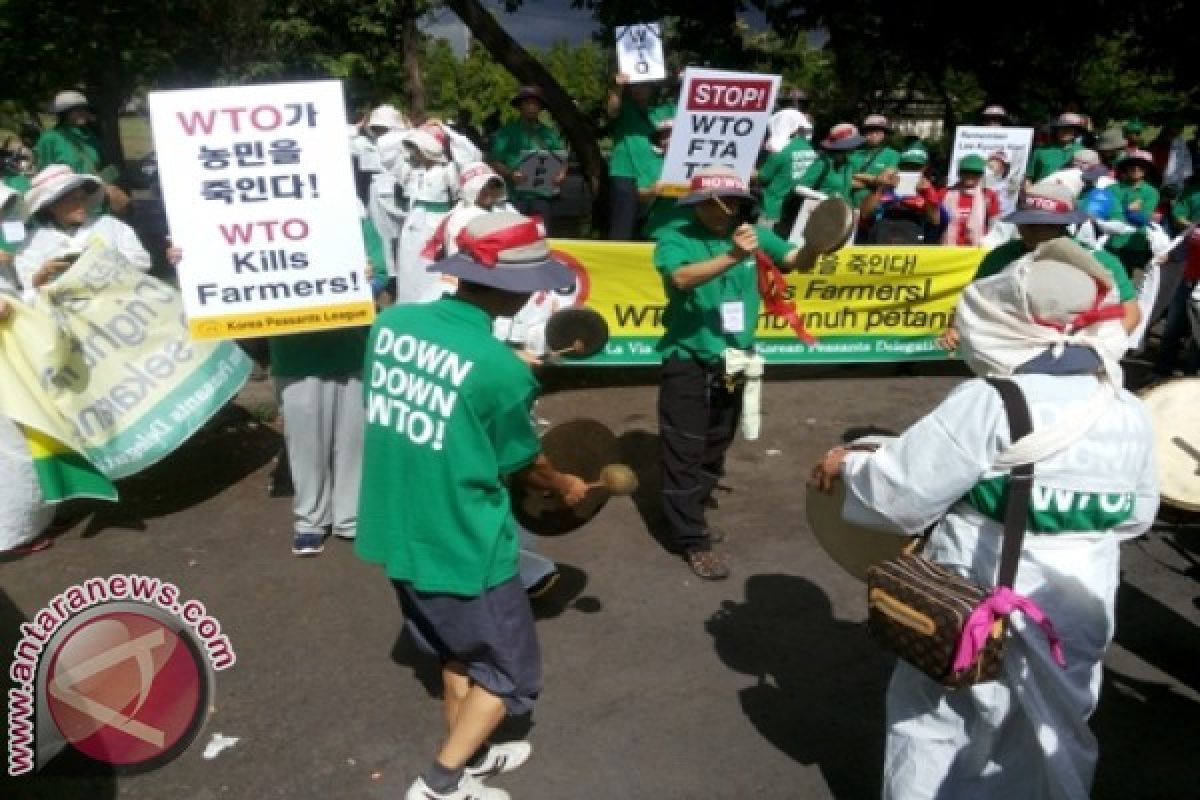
pixel 862 303
pixel 102 362
pixel 275 323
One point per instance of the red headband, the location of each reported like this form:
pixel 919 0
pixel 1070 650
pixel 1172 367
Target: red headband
pixel 710 183
pixel 486 249
pixel 1036 202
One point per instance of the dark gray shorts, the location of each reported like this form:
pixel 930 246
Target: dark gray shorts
pixel 492 635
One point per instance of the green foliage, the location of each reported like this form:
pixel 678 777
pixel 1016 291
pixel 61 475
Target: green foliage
pixel 479 85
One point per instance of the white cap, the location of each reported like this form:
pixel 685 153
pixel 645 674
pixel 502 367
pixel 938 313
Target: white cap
pixel 65 101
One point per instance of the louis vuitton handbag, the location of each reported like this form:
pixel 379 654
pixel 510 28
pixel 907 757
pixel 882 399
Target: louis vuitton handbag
pixel 943 624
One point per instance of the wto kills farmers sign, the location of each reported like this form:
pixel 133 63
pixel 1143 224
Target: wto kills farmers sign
pixel 260 195
pixel 722 120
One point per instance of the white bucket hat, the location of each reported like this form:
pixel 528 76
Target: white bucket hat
pixel 65 101
pixel 473 178
pixel 784 125
pixel 390 117
pixel 55 181
pixel 424 140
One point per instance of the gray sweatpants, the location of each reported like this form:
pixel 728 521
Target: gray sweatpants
pixel 323 422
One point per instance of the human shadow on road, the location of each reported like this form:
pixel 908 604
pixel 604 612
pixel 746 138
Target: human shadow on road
pixel 1158 635
pixel 819 691
pixel 1147 740
pixel 231 446
pixel 639 451
pixel 68 776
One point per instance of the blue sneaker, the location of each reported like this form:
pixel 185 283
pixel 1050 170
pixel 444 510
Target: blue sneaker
pixel 308 544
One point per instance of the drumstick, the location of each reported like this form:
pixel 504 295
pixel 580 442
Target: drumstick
pixel 576 347
pixel 617 479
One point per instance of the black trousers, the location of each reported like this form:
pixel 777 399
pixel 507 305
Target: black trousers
pixel 623 209
pixel 697 420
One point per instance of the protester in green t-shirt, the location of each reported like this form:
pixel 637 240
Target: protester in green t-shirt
pixel 1050 158
pixel 711 281
pixel 448 425
pixel 1133 202
pixel 789 155
pixel 1185 212
pixel 73 141
pixel 832 173
pixel 513 142
pixel 872 158
pixel 318 377
pixel 636 114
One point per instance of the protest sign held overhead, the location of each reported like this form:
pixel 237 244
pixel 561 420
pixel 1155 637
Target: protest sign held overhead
pixel 640 52
pixel 722 120
pixel 1006 151
pixel 260 195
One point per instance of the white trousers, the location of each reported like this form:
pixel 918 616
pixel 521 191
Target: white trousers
pixel 1026 736
pixel 323 427
pixel 413 283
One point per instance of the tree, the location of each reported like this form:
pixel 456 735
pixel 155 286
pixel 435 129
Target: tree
pixel 109 49
pixel 575 125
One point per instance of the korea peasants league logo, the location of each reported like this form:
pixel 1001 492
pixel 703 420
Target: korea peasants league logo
pixel 120 669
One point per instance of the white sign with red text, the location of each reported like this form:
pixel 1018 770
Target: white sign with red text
pixel 722 120
pixel 260 196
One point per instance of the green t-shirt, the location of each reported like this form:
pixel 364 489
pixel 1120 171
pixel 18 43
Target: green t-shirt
pixel 78 148
pixel 327 354
pixel 320 354
pixel 1000 257
pixel 826 176
pixel 448 418
pixel 633 153
pixel 872 162
pixel 782 172
pixel 1050 159
pixel 694 319
pixel 1124 195
pixel 512 142
pixel 1187 205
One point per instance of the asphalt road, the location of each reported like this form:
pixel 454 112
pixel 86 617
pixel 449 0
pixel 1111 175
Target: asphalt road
pixel 657 685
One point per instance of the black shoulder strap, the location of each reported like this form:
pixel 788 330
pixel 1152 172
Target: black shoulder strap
pixel 1020 484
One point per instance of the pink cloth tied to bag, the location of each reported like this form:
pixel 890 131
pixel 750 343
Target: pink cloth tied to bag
pixel 1000 603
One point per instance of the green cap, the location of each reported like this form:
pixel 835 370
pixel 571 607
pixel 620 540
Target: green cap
pixel 972 162
pixel 914 155
pixel 1133 126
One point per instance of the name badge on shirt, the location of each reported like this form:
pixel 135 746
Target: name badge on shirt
pixel 733 316
pixel 13 230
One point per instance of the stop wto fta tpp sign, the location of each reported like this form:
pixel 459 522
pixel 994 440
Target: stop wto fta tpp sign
pixel 722 121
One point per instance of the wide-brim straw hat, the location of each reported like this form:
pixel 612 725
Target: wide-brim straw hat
pixel 1047 203
pixel 842 136
pixel 506 251
pixel 55 181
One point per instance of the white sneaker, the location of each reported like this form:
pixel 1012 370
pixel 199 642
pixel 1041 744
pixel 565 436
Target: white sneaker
pixel 503 757
pixel 469 788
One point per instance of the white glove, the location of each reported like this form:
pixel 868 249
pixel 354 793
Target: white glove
pixel 1114 227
